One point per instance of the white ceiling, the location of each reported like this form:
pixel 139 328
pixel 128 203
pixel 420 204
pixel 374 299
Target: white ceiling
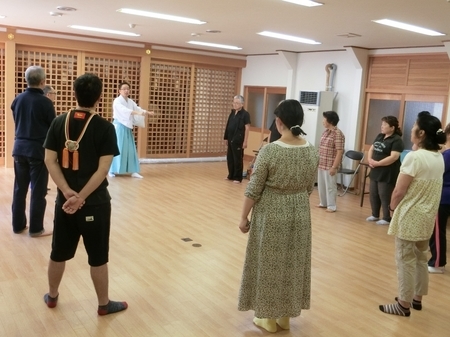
pixel 240 20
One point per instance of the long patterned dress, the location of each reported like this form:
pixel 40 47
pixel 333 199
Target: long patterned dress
pixel 276 280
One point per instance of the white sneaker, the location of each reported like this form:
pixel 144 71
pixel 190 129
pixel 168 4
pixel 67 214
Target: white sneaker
pixel 372 218
pixel 382 222
pixel 137 175
pixel 436 270
pixel 111 174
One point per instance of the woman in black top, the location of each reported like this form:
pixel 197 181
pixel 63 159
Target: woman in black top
pixel 384 160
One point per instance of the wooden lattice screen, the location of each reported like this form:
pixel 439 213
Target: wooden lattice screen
pixel 113 71
pixel 169 98
pixel 3 108
pixel 183 131
pixel 61 71
pixel 213 95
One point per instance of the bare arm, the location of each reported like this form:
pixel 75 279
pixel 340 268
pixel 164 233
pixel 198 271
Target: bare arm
pixel 247 130
pixel 336 162
pixel 401 187
pixel 76 200
pixel 388 160
pixel 246 208
pixel 51 161
pixel 369 156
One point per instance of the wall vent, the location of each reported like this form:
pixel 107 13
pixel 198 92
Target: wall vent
pixel 310 97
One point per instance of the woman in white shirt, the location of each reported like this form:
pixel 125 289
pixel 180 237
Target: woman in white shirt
pixel 124 109
pixel 415 202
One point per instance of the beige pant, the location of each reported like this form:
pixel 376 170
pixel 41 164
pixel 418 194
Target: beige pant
pixel 412 268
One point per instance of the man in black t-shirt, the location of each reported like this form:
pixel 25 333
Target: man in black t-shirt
pixel 79 148
pixel 236 136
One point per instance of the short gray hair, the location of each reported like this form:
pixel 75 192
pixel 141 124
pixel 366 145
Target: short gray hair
pixel 239 97
pixel 47 89
pixel 34 75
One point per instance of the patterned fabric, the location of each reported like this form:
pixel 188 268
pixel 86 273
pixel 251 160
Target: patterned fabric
pixel 276 280
pixel 414 216
pixel 330 142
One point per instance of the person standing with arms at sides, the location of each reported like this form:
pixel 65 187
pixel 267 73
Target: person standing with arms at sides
pixel 236 136
pixel 79 149
pixel 331 150
pixel 415 202
pixel 276 280
pixel 384 161
pixel 50 93
pixel 123 110
pixel 438 240
pixel 32 113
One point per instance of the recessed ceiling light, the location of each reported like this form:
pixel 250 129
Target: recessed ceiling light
pixel 56 14
pixel 2 16
pixel 160 16
pixel 288 37
pixel 103 30
pixel 214 45
pixel 213 31
pixel 66 9
pixel 406 26
pixel 306 3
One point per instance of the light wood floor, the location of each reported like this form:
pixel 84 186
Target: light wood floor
pixel 176 289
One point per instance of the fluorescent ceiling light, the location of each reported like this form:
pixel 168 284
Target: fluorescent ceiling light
pixel 160 16
pixel 102 30
pixel 409 27
pixel 288 37
pixel 307 3
pixel 215 45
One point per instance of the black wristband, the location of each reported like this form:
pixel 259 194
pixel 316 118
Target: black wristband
pixel 389 207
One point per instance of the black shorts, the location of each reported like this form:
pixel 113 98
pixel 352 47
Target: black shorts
pixel 92 223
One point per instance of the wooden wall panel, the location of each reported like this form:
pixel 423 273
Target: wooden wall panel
pixel 213 94
pixel 190 93
pixel 3 108
pixel 387 71
pixel 170 90
pixel 61 70
pixel 434 73
pixel 409 74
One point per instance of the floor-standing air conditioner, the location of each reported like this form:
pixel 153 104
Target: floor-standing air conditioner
pixel 314 103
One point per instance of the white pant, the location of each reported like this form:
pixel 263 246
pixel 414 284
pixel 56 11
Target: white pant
pixel 327 187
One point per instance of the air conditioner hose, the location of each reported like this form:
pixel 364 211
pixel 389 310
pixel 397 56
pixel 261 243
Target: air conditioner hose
pixel 331 71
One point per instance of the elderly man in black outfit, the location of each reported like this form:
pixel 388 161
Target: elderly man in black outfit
pixel 236 136
pixel 33 113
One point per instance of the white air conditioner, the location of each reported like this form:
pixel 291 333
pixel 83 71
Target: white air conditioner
pixel 314 104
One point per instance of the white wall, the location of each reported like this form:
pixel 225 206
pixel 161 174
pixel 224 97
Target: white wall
pixel 311 75
pixel 271 70
pixel 267 70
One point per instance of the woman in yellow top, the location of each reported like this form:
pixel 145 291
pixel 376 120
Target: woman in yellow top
pixel 415 202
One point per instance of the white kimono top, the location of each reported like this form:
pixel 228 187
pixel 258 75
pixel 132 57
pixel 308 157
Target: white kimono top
pixel 122 110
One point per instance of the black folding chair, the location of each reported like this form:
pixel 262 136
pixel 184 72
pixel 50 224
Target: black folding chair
pixel 355 156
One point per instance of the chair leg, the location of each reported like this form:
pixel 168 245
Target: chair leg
pixel 345 190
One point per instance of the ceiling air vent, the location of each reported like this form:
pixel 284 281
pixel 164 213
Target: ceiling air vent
pixel 310 97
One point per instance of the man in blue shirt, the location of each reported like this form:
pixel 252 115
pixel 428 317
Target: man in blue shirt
pixel 33 114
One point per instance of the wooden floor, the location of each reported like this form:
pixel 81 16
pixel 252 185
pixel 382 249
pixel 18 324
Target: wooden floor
pixel 175 288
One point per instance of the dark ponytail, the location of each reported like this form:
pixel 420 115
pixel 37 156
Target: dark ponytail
pixel 432 127
pixel 290 112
